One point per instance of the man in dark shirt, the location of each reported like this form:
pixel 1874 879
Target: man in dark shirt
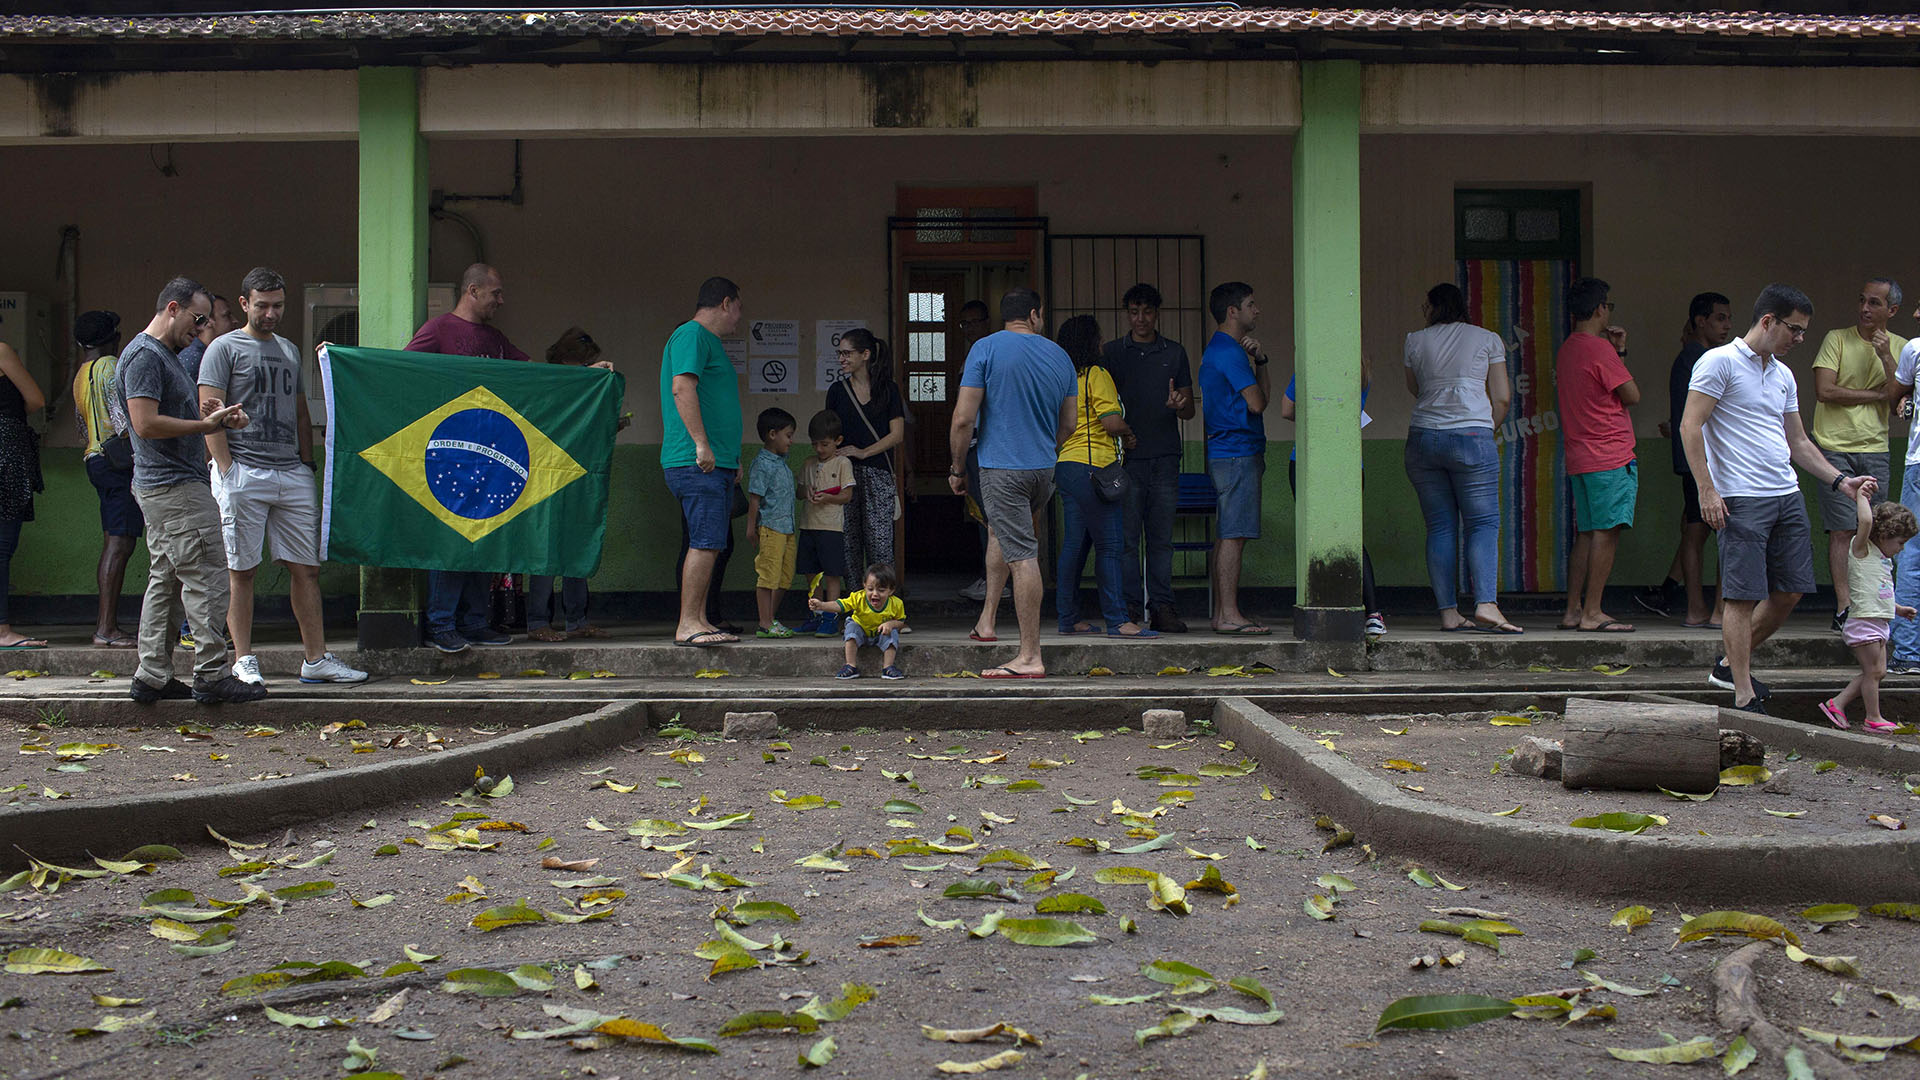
pixel 457 608
pixel 223 322
pixel 1709 326
pixel 1156 388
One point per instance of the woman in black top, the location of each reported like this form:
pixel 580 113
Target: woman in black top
pixel 872 425
pixel 19 477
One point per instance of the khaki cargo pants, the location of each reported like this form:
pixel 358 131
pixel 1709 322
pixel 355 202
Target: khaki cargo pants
pixel 185 553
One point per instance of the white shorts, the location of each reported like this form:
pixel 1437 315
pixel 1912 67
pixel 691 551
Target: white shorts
pixel 260 505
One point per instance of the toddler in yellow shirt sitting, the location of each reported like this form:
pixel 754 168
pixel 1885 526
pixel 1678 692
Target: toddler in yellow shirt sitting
pixel 874 617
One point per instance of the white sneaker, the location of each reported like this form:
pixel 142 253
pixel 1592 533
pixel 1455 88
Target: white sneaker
pixel 329 668
pixel 975 591
pixel 247 670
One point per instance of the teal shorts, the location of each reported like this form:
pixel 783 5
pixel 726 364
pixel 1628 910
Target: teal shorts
pixel 1604 500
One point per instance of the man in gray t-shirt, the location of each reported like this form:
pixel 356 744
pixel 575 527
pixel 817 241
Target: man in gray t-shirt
pixel 261 375
pixel 169 424
pixel 149 369
pixel 263 477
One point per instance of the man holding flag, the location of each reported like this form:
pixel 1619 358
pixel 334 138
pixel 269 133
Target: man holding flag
pixel 457 607
pixel 457 460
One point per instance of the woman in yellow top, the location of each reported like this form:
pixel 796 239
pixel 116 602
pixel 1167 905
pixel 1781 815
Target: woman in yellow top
pixel 1095 443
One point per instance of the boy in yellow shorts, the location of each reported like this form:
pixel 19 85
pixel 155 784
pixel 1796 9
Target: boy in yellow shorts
pixel 770 498
pixel 874 617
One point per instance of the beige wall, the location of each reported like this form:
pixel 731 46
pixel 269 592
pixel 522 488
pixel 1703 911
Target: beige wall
pixel 1671 215
pixel 616 234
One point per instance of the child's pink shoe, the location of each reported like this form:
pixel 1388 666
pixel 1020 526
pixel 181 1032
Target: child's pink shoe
pixel 1835 714
pixel 1882 725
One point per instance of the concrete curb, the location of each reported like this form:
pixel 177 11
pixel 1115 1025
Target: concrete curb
pixel 111 827
pixel 1864 869
pixel 800 658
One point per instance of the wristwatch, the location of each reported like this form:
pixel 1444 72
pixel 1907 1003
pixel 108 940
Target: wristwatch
pixel 1259 360
pixel 957 474
pixel 1837 480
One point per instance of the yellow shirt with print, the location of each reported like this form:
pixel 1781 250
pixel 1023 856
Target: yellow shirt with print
pixel 1853 429
pixel 1090 443
pixel 856 606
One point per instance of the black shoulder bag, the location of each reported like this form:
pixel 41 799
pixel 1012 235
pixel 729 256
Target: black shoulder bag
pixel 1110 481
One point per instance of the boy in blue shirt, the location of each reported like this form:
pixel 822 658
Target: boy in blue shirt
pixel 1234 391
pixel 770 497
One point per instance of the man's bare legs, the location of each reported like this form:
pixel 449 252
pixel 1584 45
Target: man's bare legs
pixel 240 611
pixel 1027 592
pixel 303 592
pixel 110 577
pixel 997 574
pixel 1690 560
pixel 1590 578
pixel 1227 616
pixel 695 576
pixel 1837 544
pixel 1745 625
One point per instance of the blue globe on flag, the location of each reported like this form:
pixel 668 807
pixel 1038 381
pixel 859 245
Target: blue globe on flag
pixel 477 463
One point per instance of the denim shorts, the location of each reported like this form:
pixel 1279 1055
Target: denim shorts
pixel 706 504
pixel 1010 498
pixel 1237 482
pixel 1837 512
pixel 822 551
pixel 119 513
pixel 885 639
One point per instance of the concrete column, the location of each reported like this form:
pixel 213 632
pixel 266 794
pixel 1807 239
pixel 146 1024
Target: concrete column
pixel 1326 319
pixel 393 292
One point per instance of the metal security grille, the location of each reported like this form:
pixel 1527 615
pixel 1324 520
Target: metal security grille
pixel 1089 274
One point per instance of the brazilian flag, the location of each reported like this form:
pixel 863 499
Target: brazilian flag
pixel 465 463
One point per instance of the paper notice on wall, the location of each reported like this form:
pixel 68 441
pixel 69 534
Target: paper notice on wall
pixel 774 337
pixel 773 356
pixel 736 348
pixel 826 345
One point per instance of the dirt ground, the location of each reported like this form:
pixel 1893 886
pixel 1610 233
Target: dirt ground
pixel 1331 977
pixel 1465 765
pixel 83 761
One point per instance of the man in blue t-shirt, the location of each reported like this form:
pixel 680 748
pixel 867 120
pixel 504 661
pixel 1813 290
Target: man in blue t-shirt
pixel 1021 388
pixel 1234 391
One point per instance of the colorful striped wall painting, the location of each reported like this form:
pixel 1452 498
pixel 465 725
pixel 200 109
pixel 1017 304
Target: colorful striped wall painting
pixel 1524 301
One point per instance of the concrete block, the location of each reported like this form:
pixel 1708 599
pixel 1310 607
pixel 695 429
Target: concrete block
pixel 751 725
pixel 1536 757
pixel 1164 723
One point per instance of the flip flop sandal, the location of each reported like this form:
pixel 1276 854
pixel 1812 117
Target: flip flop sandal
pixel 974 635
pixel 1611 626
pixel 1007 673
pixel 1882 725
pixel 24 645
pixel 697 641
pixel 1837 716
pixel 122 641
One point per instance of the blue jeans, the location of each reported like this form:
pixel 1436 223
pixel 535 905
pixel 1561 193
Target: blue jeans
pixel 1906 577
pixel 1456 474
pixel 1086 515
pixel 1152 493
pixel 457 600
pixel 573 601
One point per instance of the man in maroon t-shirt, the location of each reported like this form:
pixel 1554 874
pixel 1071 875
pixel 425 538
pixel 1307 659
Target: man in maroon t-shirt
pixel 457 604
pixel 1595 390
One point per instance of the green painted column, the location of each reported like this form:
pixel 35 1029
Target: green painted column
pixel 393 292
pixel 1326 318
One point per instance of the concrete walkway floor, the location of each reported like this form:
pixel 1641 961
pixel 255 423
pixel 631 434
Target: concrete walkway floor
pixel 942 645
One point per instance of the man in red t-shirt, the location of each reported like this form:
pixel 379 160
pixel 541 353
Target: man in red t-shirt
pixel 1595 390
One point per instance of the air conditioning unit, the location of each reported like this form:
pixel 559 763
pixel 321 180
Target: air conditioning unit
pixel 333 316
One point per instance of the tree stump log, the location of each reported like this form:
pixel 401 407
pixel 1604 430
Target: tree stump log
pixel 1637 746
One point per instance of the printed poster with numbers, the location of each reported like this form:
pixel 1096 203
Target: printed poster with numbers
pixel 773 356
pixel 826 345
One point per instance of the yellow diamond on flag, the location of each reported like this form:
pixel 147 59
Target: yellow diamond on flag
pixel 475 463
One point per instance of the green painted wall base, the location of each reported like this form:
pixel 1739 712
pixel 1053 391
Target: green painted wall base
pixel 58 550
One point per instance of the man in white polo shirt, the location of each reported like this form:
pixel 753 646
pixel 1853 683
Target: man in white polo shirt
pixel 1743 437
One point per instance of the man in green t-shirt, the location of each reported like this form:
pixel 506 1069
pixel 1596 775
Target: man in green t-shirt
pixel 1851 380
pixel 700 446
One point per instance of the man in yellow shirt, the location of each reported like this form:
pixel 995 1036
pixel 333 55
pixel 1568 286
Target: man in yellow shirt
pixel 1852 383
